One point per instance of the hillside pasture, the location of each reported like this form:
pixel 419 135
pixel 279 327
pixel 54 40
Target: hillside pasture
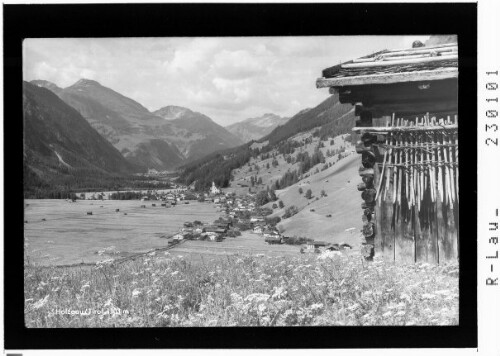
pixel 341 202
pixel 241 181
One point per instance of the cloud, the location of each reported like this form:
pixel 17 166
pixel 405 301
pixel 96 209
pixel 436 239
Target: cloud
pixel 229 79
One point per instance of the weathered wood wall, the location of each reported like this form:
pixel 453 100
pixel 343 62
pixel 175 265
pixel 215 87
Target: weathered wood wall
pixel 414 217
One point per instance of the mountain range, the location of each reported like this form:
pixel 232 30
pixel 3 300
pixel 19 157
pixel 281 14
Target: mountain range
pixel 163 140
pixel 60 145
pixel 256 127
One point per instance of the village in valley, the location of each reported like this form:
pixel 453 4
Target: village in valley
pixel 241 214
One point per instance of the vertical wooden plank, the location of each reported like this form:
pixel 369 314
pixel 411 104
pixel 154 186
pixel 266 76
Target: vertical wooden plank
pixel 425 232
pixel 404 242
pixel 450 241
pixel 384 216
pixel 404 236
pixel 448 249
pixel 378 237
pixel 425 235
pixel 440 227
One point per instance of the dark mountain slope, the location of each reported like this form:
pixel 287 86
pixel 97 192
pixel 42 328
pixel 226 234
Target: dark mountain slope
pixel 59 142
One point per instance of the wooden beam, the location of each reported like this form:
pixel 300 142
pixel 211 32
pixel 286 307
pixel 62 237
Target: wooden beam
pixel 382 129
pixel 414 109
pixel 407 93
pixel 384 63
pixel 420 50
pixel 452 44
pixel 388 78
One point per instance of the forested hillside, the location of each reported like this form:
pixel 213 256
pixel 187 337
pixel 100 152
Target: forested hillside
pixel 331 118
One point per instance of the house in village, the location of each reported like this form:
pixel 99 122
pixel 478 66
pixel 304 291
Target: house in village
pixel 255 219
pixel 258 229
pixel 178 236
pixel 272 236
pixel 407 136
pixel 199 230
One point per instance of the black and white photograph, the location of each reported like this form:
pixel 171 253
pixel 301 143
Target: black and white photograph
pixel 241 181
pixel 248 176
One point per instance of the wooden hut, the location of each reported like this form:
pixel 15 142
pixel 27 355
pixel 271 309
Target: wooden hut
pixel 407 135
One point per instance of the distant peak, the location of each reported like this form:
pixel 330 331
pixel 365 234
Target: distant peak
pixel 86 82
pixel 45 84
pixel 172 112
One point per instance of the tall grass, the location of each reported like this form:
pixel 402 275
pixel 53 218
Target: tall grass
pixel 162 290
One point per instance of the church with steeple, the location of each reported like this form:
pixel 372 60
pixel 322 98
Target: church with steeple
pixel 214 190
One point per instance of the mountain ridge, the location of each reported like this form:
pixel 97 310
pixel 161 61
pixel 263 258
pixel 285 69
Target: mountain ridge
pixel 255 128
pixel 145 138
pixel 60 145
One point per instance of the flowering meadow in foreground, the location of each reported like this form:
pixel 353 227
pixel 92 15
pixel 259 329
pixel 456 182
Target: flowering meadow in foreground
pixel 162 290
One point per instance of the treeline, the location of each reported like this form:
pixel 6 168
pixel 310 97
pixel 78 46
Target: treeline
pixel 126 195
pixel 66 186
pixel 216 168
pixel 288 179
pixel 330 113
pixel 307 161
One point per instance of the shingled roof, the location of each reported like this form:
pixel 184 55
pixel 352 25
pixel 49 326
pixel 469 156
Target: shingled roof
pixel 394 66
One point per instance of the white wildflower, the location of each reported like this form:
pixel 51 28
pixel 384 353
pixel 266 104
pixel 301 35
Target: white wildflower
pixel 257 297
pixel 353 307
pixel 329 254
pixel 406 297
pixel 278 292
pixel 236 298
pixel 316 306
pixel 40 303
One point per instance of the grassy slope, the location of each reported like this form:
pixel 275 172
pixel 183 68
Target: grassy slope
pixel 341 202
pixel 339 182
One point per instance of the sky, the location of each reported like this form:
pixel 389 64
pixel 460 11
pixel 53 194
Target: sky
pixel 228 79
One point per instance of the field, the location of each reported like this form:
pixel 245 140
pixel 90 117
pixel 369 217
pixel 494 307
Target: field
pixel 69 235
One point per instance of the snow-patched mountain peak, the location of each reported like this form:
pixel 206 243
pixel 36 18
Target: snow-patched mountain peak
pixel 172 112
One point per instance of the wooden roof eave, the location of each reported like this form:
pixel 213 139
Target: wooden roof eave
pixel 388 78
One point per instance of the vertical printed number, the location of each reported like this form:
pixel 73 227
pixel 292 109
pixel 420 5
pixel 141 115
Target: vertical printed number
pixel 493 127
pixel 493 112
pixel 494 141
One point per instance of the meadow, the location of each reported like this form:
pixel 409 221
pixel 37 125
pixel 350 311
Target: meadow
pixel 68 235
pixel 161 289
